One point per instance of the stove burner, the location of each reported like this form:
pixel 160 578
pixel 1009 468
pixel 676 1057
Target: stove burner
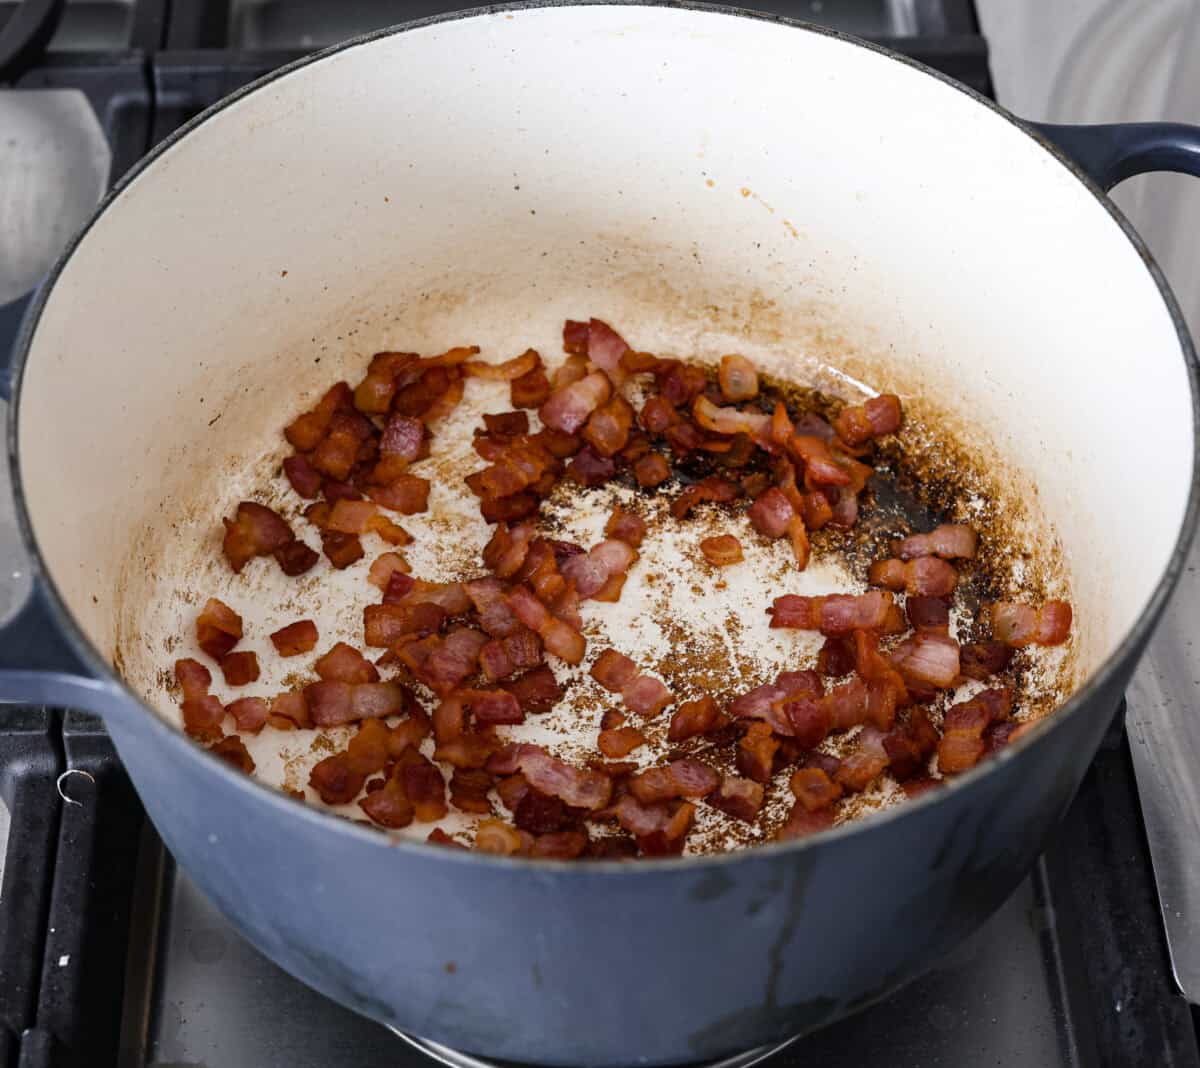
pixel 453 1059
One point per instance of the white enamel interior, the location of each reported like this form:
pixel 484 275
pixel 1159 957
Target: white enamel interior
pixel 706 182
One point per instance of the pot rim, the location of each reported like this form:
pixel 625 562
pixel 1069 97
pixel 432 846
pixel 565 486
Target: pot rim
pixel 328 822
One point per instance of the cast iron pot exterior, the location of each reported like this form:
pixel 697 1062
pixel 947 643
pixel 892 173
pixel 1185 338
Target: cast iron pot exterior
pixel 597 964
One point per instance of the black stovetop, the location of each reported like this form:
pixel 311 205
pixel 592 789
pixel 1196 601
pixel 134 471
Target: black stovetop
pixel 110 956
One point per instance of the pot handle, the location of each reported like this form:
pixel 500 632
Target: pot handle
pixel 1112 152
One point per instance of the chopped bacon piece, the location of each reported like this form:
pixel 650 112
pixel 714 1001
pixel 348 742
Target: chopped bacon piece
pixel 338 491
pixel 985 708
pixel 729 420
pixel 569 406
pixel 344 663
pixel 927 611
pixel 617 742
pixel 303 478
pixel 737 797
pixel 307 430
pixel 929 657
pixel 503 372
pixel 646 696
pixel 295 638
pixel 256 531
pixel 577 788
pixel 801 823
pixel 218 628
pixel 982 660
pixel 331 703
pixel 770 702
pixel 715 489
pixel 450 660
pixel 836 657
pixel 575 338
pixel 295 558
pixel 193 678
pixel 239 668
pixel 506 551
pixel 1019 625
pixel 847 704
pixel 833 615
pixel 232 750
pixel 613 670
pixel 756 752
pixel 926 576
pixel 497 837
pixel 771 513
pixel 605 346
pixel 386 624
pixel 694 717
pixel 539 813
pixel 469 790
pixel 814 789
pixel 289 708
pixel 250 712
pixel 721 550
pixel 738 379
pixel 423 785
pixel 449 596
pixel 560 638
pixel 202 717
pixel 960 750
pixel 589 468
pixel 607 429
pixel 502 657
pixel 560 845
pixel 488 595
pixel 680 778
pixel 531 390
pixel 950 541
pixel 389 806
pixel 341 549
pixel 591 571
pixel 492 707
pixel 625 526
pixel 651 470
pixel 660 828
pixel 536 691
pixel 384 566
pixel 336 781
pixel 351 517
pixel 860 423
pixel 857 771
pixel 407 495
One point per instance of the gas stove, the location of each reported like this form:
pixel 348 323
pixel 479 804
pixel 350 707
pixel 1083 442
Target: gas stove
pixel 109 955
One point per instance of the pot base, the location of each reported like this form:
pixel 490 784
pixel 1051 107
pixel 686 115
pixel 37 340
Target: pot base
pixel 453 1059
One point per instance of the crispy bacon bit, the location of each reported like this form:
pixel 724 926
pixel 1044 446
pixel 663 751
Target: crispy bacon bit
pixel 336 782
pixel 469 790
pixel 847 704
pixel 532 389
pixel 539 813
pixel 925 576
pixel 256 531
pixel 497 837
pixel 295 638
pixel 307 430
pixel 305 481
pixel 771 513
pixel 646 696
pixel 959 750
pixel 950 541
pixel 715 489
pixel 503 372
pixel 737 797
pixel 625 526
pixel 295 558
pixel 250 712
pixel 569 406
pixel 680 778
pixel 589 468
pixel 814 789
pixel 591 571
pixel 407 495
pixel 344 663
pixel 218 628
pixel 423 785
pixel 985 708
pixel 857 771
pixel 651 470
pixel 607 429
pixel 927 611
pixel 801 823
pixel 351 517
pixel 730 420
pixel 617 742
pixel 756 752
pixel 289 707
pixel 660 828
pixel 836 657
pixel 693 718
pixel 560 638
pixel 833 615
pixel 341 549
pixel 536 691
pixel 389 806
pixel 879 416
pixel 738 379
pixel 502 657
pixel 493 707
pixel 1019 625
pixel 930 657
pixel 506 551
pixel 239 668
pixel 605 347
pixel 577 788
pixel 982 660
pixel 232 750
pixel 721 550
